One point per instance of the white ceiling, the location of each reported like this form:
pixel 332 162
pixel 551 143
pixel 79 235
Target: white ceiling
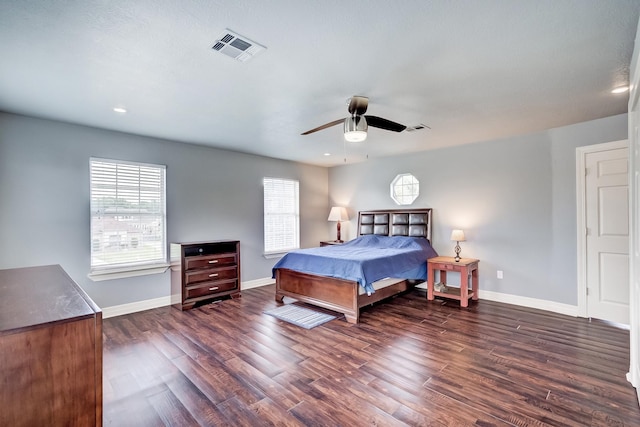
pixel 471 70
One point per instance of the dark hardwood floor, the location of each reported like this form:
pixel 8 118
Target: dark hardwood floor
pixel 408 362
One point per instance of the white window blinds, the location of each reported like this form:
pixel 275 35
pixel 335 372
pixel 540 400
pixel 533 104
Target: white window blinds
pixel 128 219
pixel 281 215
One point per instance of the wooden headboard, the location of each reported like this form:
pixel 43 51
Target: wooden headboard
pixel 396 222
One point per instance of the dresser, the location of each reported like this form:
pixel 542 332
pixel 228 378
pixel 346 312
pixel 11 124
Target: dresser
pixel 202 271
pixel 50 350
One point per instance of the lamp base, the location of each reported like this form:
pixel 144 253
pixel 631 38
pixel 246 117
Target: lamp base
pixel 457 249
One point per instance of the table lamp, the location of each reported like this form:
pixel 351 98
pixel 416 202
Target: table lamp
pixel 457 236
pixel 338 214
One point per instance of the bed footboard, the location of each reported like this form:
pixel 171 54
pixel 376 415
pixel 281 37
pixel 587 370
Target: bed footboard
pixel 327 292
pixel 331 293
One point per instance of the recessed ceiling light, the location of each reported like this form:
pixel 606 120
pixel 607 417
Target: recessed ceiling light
pixel 327 154
pixel 620 89
pixel 120 110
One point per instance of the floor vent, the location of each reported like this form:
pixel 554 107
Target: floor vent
pixel 236 46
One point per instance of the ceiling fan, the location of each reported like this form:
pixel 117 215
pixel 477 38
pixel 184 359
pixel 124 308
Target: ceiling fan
pixel 355 126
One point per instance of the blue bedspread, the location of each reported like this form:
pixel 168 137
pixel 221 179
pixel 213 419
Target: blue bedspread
pixel 364 260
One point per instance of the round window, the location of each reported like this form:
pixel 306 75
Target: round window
pixel 405 189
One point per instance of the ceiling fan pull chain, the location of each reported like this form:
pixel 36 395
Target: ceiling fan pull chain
pixel 344 148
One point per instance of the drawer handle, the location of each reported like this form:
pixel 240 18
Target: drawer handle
pixel 213 275
pixel 213 261
pixel 215 288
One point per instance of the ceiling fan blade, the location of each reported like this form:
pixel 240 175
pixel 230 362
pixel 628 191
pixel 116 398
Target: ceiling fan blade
pixel 326 125
pixel 358 105
pixel 379 122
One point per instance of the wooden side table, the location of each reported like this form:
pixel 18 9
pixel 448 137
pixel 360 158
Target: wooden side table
pixel 467 267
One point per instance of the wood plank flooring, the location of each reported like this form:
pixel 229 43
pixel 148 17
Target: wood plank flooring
pixel 408 362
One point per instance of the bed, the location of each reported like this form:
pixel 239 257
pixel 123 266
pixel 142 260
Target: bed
pixel 350 292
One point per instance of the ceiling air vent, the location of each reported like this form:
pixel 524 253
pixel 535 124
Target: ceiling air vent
pixel 237 47
pixel 417 127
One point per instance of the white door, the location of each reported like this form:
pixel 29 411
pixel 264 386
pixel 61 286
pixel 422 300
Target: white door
pixel 607 234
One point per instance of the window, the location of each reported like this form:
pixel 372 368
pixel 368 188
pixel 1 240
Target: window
pixel 128 217
pixel 405 189
pixel 281 215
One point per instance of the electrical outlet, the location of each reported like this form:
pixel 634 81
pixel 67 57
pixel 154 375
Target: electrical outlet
pixel 499 274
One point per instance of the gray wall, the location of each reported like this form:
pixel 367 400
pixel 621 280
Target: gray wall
pixel 211 195
pixel 515 199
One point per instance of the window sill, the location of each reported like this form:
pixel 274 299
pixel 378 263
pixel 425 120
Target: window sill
pixel 271 255
pixel 123 273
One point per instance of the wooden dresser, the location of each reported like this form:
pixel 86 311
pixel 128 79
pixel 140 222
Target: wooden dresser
pixel 50 350
pixel 201 271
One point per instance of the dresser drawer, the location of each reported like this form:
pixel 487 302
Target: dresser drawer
pixel 210 288
pixel 445 267
pixel 211 274
pixel 206 261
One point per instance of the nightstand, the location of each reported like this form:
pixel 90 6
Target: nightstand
pixel 331 243
pixel 468 269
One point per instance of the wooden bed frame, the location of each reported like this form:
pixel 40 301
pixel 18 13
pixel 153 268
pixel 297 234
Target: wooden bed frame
pixel 343 295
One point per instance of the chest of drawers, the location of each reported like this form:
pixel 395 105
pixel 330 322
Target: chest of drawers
pixel 202 271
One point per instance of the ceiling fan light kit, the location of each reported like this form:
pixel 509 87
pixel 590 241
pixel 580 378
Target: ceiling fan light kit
pixel 355 129
pixel 356 126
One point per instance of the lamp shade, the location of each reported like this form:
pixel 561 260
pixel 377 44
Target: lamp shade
pixel 457 236
pixel 355 129
pixel 338 214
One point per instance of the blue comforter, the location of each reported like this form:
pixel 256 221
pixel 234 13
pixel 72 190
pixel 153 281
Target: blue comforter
pixel 364 260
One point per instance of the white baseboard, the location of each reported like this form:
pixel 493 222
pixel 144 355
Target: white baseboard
pixel 555 307
pixel 119 310
pixel 540 304
pixel 133 307
pixel 258 282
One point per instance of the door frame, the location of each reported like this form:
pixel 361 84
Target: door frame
pixel 634 215
pixel 581 220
